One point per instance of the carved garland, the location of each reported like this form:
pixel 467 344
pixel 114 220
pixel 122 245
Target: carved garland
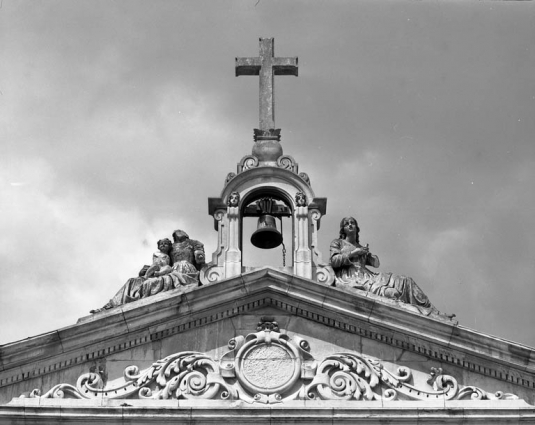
pixel 270 367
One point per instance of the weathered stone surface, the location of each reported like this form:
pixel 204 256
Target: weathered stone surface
pixel 175 266
pixel 269 367
pixel 266 66
pixel 350 262
pixel 161 411
pixel 204 319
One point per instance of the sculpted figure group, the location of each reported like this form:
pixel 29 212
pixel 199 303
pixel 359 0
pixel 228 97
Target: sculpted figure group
pixel 173 265
pixel 177 264
pixel 349 260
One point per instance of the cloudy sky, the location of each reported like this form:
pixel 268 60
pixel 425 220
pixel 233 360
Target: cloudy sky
pixel 118 119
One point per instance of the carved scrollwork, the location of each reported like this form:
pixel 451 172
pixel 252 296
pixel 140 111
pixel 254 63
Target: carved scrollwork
pixel 348 376
pixel 305 177
pixel 182 375
pixel 229 177
pixel 213 274
pixel 287 162
pixel 247 163
pixel 219 214
pixel 269 367
pixel 475 393
pixel 325 274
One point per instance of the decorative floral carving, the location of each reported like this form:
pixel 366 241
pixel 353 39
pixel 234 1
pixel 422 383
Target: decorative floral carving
pixel 270 367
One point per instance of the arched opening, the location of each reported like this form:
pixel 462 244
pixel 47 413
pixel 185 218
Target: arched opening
pixel 268 215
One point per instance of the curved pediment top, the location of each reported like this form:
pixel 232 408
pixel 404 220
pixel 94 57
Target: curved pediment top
pixel 255 178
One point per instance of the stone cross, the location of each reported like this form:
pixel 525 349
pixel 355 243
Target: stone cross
pixel 267 66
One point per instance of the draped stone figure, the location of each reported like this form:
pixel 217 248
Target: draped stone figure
pixel 349 260
pixel 174 265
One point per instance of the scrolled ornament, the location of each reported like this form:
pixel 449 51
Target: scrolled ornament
pixel 390 394
pixel 193 383
pixel 342 376
pixel 232 344
pixel 229 177
pixel 286 162
pixel 131 373
pixel 145 393
pixel 248 162
pixel 304 345
pixel 213 275
pixel 305 177
pixel 35 393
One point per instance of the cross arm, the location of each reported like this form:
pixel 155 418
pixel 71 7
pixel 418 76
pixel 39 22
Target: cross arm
pixel 248 66
pixel 285 66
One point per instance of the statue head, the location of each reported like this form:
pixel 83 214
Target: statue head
pixel 164 245
pixel 343 223
pixel 300 199
pixel 233 199
pixel 180 236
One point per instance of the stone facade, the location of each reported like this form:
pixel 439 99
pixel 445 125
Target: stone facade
pixel 495 379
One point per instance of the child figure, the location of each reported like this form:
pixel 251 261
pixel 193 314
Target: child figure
pixel 161 262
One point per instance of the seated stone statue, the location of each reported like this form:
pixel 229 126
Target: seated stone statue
pixel 175 265
pixel 160 260
pixel 349 260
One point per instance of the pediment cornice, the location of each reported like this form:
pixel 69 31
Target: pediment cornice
pixel 173 312
pixel 269 367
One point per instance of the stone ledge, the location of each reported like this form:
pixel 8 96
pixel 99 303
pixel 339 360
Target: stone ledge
pixel 158 411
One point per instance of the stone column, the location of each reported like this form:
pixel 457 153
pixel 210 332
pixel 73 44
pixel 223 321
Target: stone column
pixel 233 254
pixel 302 257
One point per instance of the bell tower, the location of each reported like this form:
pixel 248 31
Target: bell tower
pixel 267 185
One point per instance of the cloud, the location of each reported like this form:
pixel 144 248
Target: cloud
pixel 62 253
pixel 118 120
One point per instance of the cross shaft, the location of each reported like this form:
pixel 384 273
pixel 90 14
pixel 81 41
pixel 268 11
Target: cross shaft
pixel 266 66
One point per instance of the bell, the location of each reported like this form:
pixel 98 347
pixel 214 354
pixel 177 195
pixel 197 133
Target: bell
pixel 266 235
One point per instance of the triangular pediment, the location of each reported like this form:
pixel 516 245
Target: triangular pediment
pixel 330 319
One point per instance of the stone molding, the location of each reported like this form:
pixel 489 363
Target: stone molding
pixel 156 318
pixel 269 367
pixel 285 162
pixel 100 411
